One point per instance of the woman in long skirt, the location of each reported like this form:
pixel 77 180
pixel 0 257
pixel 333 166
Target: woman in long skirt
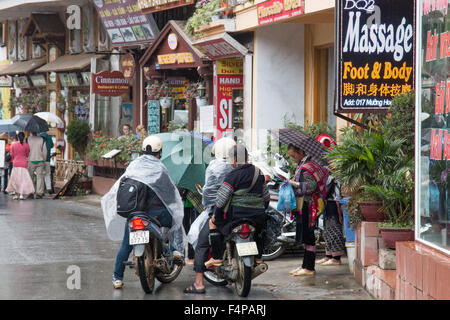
pixel 20 183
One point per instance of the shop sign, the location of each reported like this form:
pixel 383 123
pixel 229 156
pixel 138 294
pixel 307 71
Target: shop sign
pixel 109 83
pixel 432 124
pixel 22 82
pixel 150 6
pixel 69 79
pixel 178 58
pixel 124 22
pixel 172 41
pixel 153 116
pixel 38 80
pixel 5 81
pixel 276 10
pixel 375 53
pixel 128 66
pixel 229 77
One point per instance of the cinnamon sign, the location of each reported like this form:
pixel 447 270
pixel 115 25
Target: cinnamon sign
pixel 109 83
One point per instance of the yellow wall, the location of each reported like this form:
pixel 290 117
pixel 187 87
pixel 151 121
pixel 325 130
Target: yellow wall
pixel 6 92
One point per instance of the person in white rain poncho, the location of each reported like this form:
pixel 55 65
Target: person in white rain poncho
pixel 162 201
pixel 198 234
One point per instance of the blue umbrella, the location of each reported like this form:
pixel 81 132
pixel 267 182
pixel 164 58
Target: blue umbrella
pixel 7 126
pixel 209 142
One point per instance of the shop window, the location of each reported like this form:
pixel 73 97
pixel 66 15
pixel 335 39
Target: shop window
pixel 433 134
pixel 12 40
pixel 102 115
pixel 22 41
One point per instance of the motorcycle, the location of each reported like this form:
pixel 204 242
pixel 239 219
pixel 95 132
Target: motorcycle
pixel 239 265
pixel 152 257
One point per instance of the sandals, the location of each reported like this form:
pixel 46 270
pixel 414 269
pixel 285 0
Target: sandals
pixel 302 272
pixel 211 262
pixel 194 290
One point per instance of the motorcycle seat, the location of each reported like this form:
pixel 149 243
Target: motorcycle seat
pixel 144 215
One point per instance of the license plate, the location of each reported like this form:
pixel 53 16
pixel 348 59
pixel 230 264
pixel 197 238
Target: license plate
pixel 139 237
pixel 247 249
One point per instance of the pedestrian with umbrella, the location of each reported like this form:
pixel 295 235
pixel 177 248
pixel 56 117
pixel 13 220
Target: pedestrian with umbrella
pixel 20 182
pixel 310 187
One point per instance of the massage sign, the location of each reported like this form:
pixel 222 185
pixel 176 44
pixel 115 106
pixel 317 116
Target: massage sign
pixel 109 83
pixel 375 53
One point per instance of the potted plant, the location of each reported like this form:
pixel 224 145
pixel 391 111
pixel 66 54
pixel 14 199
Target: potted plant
pixel 153 91
pixel 397 193
pixel 77 135
pixel 166 95
pixel 205 12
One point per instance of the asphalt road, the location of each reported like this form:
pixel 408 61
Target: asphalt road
pixel 47 245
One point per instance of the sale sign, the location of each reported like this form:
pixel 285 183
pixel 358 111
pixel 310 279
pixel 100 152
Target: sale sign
pixel 229 77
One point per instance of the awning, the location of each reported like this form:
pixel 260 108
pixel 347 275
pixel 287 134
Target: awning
pixel 69 63
pixel 220 46
pixel 22 67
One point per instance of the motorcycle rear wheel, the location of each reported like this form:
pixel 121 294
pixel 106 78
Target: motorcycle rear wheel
pixel 166 278
pixel 146 270
pixel 244 280
pixel 211 276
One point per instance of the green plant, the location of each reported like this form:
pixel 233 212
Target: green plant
pixel 153 92
pixel 204 10
pixel 100 145
pixel 313 129
pixel 77 134
pixel 165 90
pixel 175 125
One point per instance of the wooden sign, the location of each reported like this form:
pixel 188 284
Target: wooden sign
pixel 128 66
pixel 109 83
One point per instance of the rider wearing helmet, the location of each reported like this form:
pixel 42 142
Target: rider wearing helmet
pixel 161 199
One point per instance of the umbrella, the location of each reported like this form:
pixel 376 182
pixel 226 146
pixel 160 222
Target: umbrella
pixel 7 126
pixel 303 141
pixel 51 118
pixel 29 122
pixel 186 167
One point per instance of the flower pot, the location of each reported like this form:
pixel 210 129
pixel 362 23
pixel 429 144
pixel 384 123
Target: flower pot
pixel 165 102
pixel 391 236
pixel 201 102
pixel 370 211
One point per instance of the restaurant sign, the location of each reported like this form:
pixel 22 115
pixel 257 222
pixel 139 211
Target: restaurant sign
pixel 276 10
pixel 375 53
pixel 150 6
pixel 109 83
pixel 124 22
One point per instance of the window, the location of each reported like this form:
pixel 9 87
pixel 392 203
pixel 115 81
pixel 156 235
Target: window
pixel 432 132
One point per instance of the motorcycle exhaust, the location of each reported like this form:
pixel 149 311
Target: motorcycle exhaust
pixel 259 269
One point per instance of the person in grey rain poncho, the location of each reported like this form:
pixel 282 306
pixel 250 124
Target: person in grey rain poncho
pixel 198 234
pixel 163 203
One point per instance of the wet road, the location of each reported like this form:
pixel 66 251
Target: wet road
pixel 44 241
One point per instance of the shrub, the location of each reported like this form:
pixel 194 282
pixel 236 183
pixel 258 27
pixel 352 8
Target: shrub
pixel 77 134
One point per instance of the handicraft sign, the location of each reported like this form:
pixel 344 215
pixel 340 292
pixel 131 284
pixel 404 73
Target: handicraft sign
pixel 375 53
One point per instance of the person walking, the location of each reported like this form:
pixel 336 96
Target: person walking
pixel 333 234
pixel 309 183
pixel 36 162
pixel 7 159
pixel 20 184
pixel 47 168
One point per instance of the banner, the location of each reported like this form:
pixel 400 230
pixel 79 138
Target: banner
pixel 275 10
pixel 109 83
pixel 153 116
pixel 375 53
pixel 125 23
pixel 229 78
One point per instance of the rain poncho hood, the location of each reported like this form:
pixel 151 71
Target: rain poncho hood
pixel 152 172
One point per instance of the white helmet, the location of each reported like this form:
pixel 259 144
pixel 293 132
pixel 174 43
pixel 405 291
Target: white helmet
pixel 222 146
pixel 154 142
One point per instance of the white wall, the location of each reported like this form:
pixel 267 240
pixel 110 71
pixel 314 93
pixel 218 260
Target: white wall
pixel 278 77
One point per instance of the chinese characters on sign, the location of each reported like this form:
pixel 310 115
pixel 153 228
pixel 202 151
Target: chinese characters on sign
pixel 124 21
pixel 375 52
pixel 276 10
pixel 128 66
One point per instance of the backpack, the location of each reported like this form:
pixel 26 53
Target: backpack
pixel 131 197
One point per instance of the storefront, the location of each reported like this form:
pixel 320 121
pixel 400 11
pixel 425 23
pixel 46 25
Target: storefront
pixel 432 245
pixel 173 68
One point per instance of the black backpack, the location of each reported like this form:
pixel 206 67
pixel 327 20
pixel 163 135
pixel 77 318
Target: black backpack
pixel 131 197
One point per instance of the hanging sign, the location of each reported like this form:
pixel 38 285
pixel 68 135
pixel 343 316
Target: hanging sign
pixel 109 83
pixel 124 22
pixel 153 116
pixel 375 53
pixel 150 6
pixel 128 66
pixel 276 10
pixel 229 77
